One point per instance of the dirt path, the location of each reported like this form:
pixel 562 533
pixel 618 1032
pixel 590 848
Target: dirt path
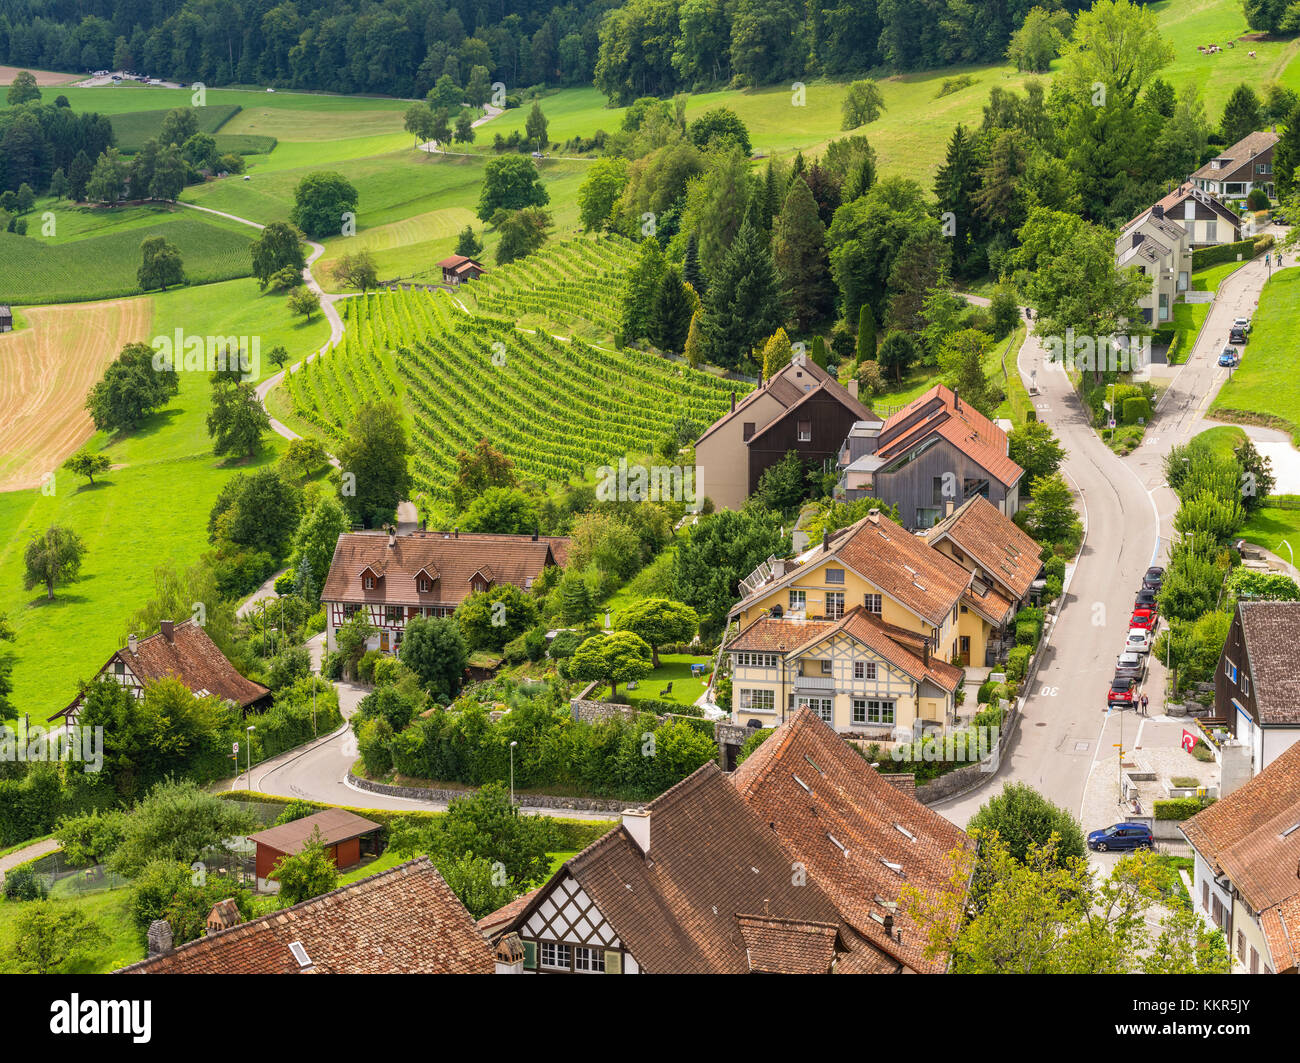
pixel 28 852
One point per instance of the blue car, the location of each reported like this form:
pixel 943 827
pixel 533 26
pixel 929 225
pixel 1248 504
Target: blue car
pixel 1122 836
pixel 1229 358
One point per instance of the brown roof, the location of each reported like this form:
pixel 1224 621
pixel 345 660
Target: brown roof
pixel 847 825
pixel 995 542
pixel 1240 154
pixel 789 395
pixel 1168 202
pixel 712 868
pixel 334 824
pixel 787 946
pixel 1271 631
pixel 190 656
pixel 939 412
pixel 515 559
pixel 402 921
pixel 1281 925
pixel 458 262
pixel 770 634
pixel 868 629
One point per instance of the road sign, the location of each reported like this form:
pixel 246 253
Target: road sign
pixel 234 748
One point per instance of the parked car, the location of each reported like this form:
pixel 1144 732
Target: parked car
pixel 1237 335
pixel 1130 664
pixel 1229 358
pixel 1143 618
pixel 1241 323
pixel 1155 576
pixel 1121 692
pixel 1138 640
pixel 1122 836
pixel 1146 599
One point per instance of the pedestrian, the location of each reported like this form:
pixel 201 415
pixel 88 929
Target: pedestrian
pixel 1144 704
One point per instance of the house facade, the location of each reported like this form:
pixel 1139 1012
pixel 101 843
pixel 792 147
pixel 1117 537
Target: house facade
pixel 1247 851
pixel 1235 172
pixel 1161 249
pixel 458 269
pixel 1206 220
pixel 1257 683
pixel 802 408
pixel 928 458
pixel 393 578
pixel 183 651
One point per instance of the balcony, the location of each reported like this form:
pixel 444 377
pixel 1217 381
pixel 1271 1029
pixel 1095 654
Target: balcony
pixel 814 682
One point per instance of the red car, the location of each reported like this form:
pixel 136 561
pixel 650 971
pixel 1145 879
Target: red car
pixel 1143 618
pixel 1121 692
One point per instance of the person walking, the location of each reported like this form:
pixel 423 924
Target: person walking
pixel 1144 704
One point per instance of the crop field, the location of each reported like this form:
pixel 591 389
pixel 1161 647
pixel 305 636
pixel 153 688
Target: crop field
pixel 46 371
pixel 407 249
pixel 133 128
pixel 43 77
pixel 101 267
pixel 556 408
pixel 576 283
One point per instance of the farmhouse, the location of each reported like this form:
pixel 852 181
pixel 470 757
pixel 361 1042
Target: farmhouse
pixel 1257 686
pixel 402 921
pixel 802 408
pixel 6 319
pixel 699 880
pixel 345 836
pixel 1247 165
pixel 394 578
pixel 928 458
pixel 1247 850
pixel 183 651
pixel 457 269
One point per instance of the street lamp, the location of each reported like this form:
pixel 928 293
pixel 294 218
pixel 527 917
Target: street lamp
pixel 1292 553
pixel 512 772
pixel 250 729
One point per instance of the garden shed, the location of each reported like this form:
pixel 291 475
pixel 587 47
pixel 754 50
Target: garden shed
pixel 347 838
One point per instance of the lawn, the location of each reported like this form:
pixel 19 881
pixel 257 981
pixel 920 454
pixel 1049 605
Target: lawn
pixel 108 909
pixel 1185 327
pixel 1222 440
pixel 673 668
pixel 1209 279
pixel 133 128
pixel 150 511
pixel 1265 389
pixel 1269 525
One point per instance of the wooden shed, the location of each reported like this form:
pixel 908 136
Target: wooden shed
pixel 6 319
pixel 346 837
pixel 457 269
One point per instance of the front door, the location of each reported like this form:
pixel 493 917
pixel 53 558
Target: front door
pixel 965 651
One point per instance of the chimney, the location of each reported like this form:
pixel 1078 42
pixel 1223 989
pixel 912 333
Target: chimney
pixel 424 523
pixel 948 507
pixel 455 533
pixel 826 539
pixel 889 924
pixel 168 630
pixel 159 939
pixel 131 643
pixel 1157 211
pixel 535 531
pixel 1137 239
pixel 956 400
pixel 873 515
pixel 853 387
pixel 636 821
pixel 392 534
pixel 733 400
pixel 925 652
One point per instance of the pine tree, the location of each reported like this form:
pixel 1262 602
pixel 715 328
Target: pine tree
pixel 79 176
pixel 691 272
pixel 671 312
pixel 955 186
pixel 1242 115
pixel 642 284
pixel 694 351
pixel 866 334
pixel 1286 155
pixel 799 254
pixel 743 304
pixel 819 355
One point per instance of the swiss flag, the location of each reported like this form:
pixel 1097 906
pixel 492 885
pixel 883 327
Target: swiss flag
pixel 1189 740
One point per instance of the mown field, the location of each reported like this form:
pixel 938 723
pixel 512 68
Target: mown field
pixel 1266 389
pixel 100 267
pixel 151 510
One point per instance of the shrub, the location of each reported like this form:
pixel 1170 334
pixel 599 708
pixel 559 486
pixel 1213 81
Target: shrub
pixel 751 743
pixel 1135 409
pixel 24 884
pixel 1018 662
pixel 988 690
pixel 1180 808
pixel 1053 588
pixel 366 666
pixel 1054 566
pixel 1212 256
pixel 386 670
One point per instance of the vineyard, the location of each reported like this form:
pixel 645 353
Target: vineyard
pixel 577 283
pixel 556 408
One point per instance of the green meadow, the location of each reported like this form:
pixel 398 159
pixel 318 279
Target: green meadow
pixel 150 510
pixel 1265 388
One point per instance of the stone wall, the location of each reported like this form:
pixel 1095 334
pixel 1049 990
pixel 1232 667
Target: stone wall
pixel 598 711
pixel 425 793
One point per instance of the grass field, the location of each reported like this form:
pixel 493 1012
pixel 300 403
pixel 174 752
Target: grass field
pixel 1269 526
pixel 33 270
pixel 46 371
pixel 151 510
pixel 1266 389
pixel 673 668
pixel 109 910
pixel 133 128
pixel 1209 279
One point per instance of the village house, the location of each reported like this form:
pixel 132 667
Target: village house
pixel 699 881
pixel 1206 221
pixel 928 458
pixel 183 651
pixel 393 578
pixel 405 920
pixel 345 836
pixel 1234 172
pixel 802 408
pixel 1257 683
pixel 1247 868
pixel 1162 250
pixel 457 269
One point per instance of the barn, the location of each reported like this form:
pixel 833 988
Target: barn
pixel 346 837
pixel 457 269
pixel 6 319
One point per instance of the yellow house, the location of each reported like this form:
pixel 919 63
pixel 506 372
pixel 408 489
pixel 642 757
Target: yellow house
pixel 862 677
pixel 889 572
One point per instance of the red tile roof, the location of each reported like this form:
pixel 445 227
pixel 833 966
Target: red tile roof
pixel 995 542
pixel 787 946
pixel 938 411
pixel 860 838
pixel 769 634
pixel 402 921
pixel 515 559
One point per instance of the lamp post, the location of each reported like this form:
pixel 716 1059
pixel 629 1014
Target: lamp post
pixel 512 772
pixel 250 729
pixel 1292 553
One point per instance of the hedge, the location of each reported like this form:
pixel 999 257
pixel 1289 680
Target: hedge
pixel 1180 808
pixel 1018 662
pixel 1212 256
pixel 1136 409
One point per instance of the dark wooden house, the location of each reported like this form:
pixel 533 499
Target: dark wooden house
pixel 457 269
pixel 6 319
pixel 1257 683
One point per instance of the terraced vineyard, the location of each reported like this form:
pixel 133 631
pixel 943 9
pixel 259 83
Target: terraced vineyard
pixel 577 283
pixel 557 408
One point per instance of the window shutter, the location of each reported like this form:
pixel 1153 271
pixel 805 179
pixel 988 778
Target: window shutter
pixel 530 955
pixel 613 961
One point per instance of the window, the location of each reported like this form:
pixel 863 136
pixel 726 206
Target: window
pixel 350 610
pixel 871 603
pixel 1230 670
pixel 555 956
pixel 1205 894
pixel 119 668
pixel 864 669
pixel 1216 912
pixel 756 660
pixel 821 706
pixel 834 604
pixel 754 700
pixel 805 431
pixel 1241 946
pixel 835 575
pixel 1211 231
pixel 798 600
pixel 749 429
pixel 393 614
pixel 1254 960
pixel 591 961
pixel 1245 683
pixel 869 710
pixel 424 585
pixel 370 583
pixel 826 667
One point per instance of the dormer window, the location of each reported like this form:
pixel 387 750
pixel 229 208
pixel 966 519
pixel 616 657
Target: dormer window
pixel 368 582
pixel 424 585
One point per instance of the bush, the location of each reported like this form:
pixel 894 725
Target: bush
pixel 1212 256
pixel 987 692
pixel 366 666
pixel 1136 409
pixel 1054 566
pixel 1053 588
pixel 1018 662
pixel 756 739
pixel 24 884
pixel 1180 808
pixel 386 670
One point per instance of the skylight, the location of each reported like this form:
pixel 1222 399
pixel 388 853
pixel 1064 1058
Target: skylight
pixel 801 782
pixel 905 832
